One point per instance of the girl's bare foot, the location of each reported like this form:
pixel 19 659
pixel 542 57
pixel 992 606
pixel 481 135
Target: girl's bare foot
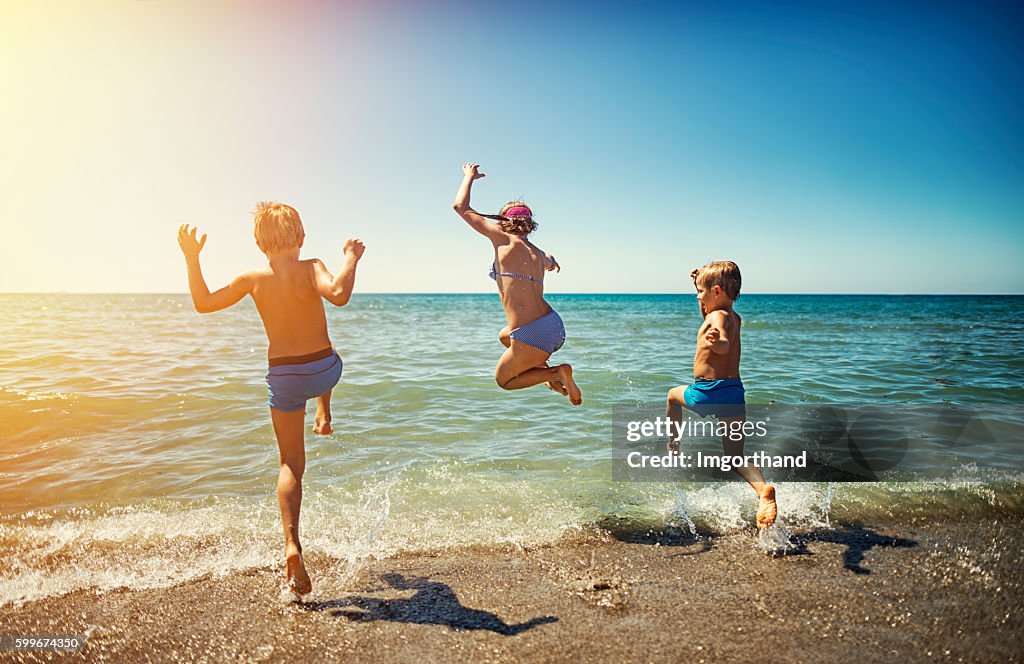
pixel 767 510
pixel 572 391
pixel 298 579
pixel 557 386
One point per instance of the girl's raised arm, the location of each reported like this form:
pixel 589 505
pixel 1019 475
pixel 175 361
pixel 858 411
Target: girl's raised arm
pixel 476 220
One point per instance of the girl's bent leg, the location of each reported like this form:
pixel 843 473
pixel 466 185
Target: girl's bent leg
pixel 288 427
pixel 505 337
pixel 523 366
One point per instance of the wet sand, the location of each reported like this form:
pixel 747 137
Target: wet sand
pixel 928 590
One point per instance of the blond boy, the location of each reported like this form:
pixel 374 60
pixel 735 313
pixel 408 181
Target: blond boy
pixel 717 388
pixel 303 362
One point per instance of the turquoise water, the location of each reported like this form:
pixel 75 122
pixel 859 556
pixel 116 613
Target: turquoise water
pixel 134 432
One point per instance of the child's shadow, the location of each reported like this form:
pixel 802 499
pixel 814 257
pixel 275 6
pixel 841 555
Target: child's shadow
pixel 857 539
pixel 434 603
pixel 669 536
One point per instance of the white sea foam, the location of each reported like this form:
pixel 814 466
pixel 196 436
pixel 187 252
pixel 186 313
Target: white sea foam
pixel 162 543
pixel 158 545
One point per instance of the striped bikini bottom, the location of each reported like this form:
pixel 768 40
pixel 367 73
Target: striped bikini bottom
pixel 546 333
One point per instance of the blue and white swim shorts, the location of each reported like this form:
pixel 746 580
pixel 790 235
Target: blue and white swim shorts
pixel 291 381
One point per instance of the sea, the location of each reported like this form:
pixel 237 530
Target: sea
pixel 136 449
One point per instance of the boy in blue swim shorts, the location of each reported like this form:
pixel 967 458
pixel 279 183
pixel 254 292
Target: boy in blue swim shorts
pixel 303 363
pixel 717 389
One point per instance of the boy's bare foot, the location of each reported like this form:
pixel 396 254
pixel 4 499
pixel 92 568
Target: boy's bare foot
pixel 767 510
pixel 673 446
pixel 572 391
pixel 323 424
pixel 323 415
pixel 298 579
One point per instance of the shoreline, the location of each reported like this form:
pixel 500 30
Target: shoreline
pixel 931 588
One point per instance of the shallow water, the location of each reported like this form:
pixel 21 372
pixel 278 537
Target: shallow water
pixel 136 449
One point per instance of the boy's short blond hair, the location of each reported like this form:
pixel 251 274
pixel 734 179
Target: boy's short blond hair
pixel 277 227
pixel 724 274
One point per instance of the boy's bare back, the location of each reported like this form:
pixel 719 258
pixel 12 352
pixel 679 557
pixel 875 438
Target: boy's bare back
pixel 291 307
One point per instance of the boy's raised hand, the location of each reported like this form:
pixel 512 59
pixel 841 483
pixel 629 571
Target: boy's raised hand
pixel 471 169
pixel 354 247
pixel 190 246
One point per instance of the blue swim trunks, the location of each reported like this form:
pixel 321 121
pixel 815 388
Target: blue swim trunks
pixel 546 333
pixel 291 381
pixel 722 398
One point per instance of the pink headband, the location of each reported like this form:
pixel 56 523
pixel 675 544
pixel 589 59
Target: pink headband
pixel 519 211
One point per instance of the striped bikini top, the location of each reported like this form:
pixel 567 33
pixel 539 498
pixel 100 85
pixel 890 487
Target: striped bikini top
pixel 494 274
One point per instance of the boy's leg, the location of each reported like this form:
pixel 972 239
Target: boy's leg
pixel 767 510
pixel 322 425
pixel 674 413
pixel 523 366
pixel 289 429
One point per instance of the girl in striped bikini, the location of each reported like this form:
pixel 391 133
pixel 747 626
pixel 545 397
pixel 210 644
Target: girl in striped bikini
pixel 534 330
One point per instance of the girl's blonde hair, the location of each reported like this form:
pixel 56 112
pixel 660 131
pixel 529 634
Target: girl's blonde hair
pixel 515 225
pixel 277 226
pixel 724 274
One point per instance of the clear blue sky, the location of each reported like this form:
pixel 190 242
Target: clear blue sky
pixel 853 147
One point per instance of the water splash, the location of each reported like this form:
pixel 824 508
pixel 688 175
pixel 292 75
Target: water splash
pixel 681 514
pixel 775 540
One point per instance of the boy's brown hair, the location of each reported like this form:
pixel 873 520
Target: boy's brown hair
pixel 277 226
pixel 724 274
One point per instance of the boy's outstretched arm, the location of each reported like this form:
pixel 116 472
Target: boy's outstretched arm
pixel 204 301
pixel 716 336
pixel 338 290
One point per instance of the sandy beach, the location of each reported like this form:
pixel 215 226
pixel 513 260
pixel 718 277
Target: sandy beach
pixel 930 590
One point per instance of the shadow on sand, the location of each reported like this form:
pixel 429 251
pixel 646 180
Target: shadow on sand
pixel 857 539
pixel 695 543
pixel 434 603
